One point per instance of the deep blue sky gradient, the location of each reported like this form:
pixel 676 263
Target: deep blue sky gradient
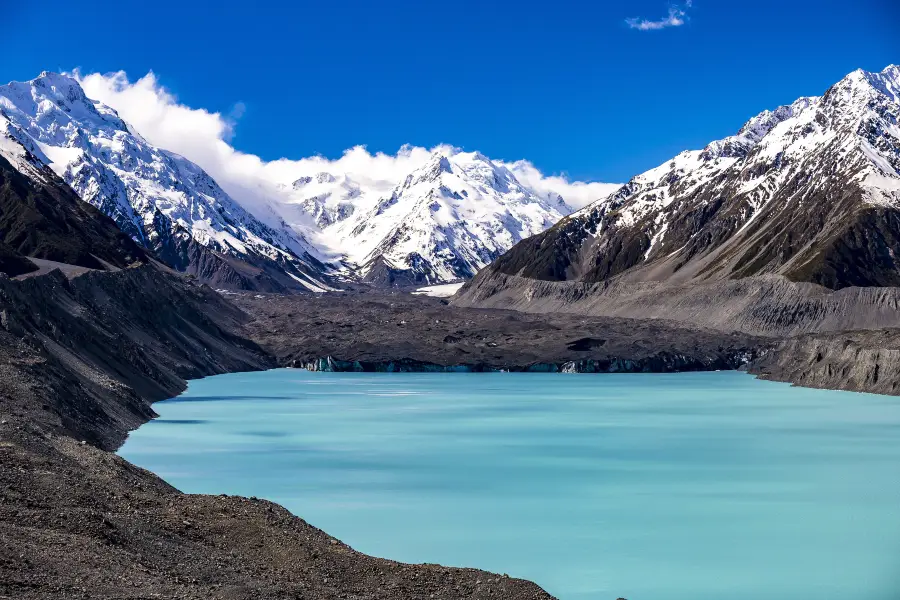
pixel 565 84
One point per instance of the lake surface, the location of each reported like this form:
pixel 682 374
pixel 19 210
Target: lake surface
pixel 688 486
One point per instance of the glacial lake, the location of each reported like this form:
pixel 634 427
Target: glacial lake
pixel 690 486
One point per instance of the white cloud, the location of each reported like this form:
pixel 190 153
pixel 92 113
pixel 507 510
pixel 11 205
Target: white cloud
pixel 676 18
pixel 577 194
pixel 204 137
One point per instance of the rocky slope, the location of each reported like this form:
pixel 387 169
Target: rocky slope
pixel 768 305
pixel 102 346
pixel 83 359
pixel 809 192
pixel 42 218
pixel 441 222
pixel 161 200
pixel 78 522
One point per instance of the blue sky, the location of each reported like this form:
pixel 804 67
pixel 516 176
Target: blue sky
pixel 571 86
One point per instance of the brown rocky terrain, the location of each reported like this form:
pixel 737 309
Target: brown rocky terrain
pixel 769 306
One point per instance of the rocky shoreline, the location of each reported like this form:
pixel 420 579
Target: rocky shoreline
pixel 661 363
pixel 856 361
pixel 82 360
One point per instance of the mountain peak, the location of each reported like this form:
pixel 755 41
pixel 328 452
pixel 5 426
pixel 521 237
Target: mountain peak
pixel 153 195
pixel 61 84
pixel 436 165
pixel 860 81
pixel 792 195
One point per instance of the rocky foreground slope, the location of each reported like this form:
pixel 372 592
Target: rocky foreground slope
pixel 81 361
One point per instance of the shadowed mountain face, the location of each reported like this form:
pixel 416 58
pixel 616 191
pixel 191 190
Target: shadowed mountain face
pixel 12 263
pixel 43 218
pixel 810 192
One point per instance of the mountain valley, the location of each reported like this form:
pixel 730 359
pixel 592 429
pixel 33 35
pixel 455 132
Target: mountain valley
pixel 127 270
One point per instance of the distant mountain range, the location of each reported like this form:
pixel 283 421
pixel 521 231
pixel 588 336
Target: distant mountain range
pixel 440 223
pixel 443 222
pixel 809 192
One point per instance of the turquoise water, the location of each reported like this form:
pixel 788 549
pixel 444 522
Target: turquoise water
pixel 688 486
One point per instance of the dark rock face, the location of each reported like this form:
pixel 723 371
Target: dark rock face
pixel 220 271
pixel 833 239
pixel 13 264
pixel 47 220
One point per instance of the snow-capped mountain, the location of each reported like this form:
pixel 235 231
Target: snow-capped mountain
pixel 810 191
pixel 159 198
pixel 442 222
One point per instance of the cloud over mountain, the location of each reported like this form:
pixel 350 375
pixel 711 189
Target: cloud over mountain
pixel 204 137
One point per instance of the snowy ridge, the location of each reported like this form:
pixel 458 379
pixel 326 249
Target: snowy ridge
pixel 159 198
pixel 438 223
pixel 810 191
pixel 851 132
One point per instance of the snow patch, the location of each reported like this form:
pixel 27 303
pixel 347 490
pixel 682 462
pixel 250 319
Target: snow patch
pixel 444 290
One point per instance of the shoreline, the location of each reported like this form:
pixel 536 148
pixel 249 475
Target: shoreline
pixel 290 394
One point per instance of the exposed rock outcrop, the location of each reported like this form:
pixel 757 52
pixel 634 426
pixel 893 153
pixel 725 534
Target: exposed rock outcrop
pixel 859 361
pixel 43 218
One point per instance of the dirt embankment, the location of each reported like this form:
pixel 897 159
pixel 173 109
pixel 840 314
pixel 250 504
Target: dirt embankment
pixel 859 361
